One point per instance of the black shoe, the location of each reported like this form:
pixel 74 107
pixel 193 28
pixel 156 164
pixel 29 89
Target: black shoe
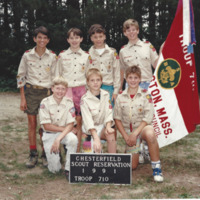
pixel 44 159
pixel 67 174
pixel 32 160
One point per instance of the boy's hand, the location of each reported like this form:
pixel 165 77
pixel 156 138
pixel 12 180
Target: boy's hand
pixel 97 145
pixel 23 105
pixel 56 146
pixel 114 97
pixel 131 139
pixel 109 130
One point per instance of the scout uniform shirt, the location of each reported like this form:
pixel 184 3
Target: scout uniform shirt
pixel 141 54
pixel 36 70
pixel 58 114
pixel 96 111
pixel 108 64
pixel 131 112
pixel 72 66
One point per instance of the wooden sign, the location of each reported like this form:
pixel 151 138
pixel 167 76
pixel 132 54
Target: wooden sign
pixel 101 168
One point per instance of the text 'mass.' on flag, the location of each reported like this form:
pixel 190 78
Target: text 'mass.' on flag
pixel 174 87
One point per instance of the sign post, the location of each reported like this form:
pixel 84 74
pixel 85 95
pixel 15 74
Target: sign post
pixel 101 168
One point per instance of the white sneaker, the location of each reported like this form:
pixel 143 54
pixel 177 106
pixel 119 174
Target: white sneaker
pixel 141 158
pixel 157 175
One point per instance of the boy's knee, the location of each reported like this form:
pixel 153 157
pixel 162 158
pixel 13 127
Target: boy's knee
pixel 72 140
pixel 110 138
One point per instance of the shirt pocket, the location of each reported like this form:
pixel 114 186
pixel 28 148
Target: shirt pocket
pixel 125 108
pixel 47 68
pixel 67 65
pixel 108 65
pixel 129 61
pixel 82 68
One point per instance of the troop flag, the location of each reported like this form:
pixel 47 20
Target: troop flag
pixel 174 87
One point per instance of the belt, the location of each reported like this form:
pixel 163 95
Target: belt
pixel 35 86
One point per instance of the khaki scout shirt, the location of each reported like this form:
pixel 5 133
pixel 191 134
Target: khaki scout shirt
pixel 36 70
pixel 96 111
pixel 133 111
pixel 108 64
pixel 51 112
pixel 72 66
pixel 141 54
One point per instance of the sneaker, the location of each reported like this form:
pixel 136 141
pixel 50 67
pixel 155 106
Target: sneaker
pixel 67 174
pixel 141 158
pixel 157 175
pixel 32 160
pixel 44 159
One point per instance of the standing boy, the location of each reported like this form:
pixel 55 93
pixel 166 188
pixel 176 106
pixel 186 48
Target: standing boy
pixel 106 60
pixel 96 110
pixel 133 115
pixel 137 52
pixel 35 74
pixel 72 66
pixel 57 117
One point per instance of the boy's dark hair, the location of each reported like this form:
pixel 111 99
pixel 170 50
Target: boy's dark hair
pixel 133 70
pixel 96 28
pixel 75 31
pixel 41 29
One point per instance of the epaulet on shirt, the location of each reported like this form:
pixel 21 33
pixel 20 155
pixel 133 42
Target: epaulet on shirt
pixel 87 52
pixel 122 46
pixel 62 51
pixel 144 90
pixel 53 52
pixel 27 51
pixel 146 42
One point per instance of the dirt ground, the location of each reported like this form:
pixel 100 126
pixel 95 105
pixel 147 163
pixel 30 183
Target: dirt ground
pixel 180 161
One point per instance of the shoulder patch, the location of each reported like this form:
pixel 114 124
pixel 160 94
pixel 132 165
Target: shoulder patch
pixel 62 51
pixel 90 59
pixel 144 90
pixel 146 42
pixel 122 46
pixel 116 55
pixel 72 111
pixel 110 105
pixel 27 51
pixel 148 96
pixel 87 52
pixel 42 106
pixel 53 52
pixel 152 47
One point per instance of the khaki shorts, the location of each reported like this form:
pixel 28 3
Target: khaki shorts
pixel 33 98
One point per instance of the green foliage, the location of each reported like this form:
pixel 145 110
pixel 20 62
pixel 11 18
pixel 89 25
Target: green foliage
pixel 19 17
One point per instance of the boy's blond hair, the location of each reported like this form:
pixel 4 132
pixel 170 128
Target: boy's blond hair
pixel 93 71
pixel 130 22
pixel 133 70
pixel 60 80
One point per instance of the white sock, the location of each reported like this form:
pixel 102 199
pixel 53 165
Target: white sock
pixel 156 164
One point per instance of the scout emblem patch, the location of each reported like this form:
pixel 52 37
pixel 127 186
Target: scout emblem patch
pixel 169 74
pixel 148 96
pixel 72 111
pixel 42 106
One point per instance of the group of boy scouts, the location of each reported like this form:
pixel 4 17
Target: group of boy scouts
pixel 79 93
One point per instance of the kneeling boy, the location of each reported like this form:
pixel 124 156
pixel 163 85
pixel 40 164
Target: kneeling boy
pixel 96 112
pixel 57 117
pixel 133 115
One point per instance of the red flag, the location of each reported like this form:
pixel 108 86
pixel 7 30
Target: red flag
pixel 174 87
